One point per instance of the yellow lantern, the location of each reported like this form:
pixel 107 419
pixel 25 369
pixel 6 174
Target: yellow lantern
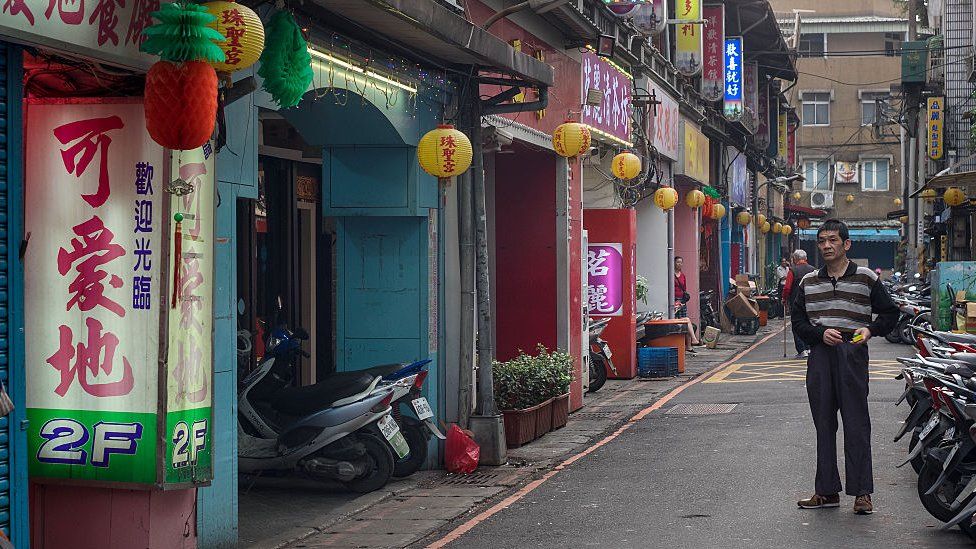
pixel 954 196
pixel 626 165
pixel 718 211
pixel 444 152
pixel 695 198
pixel 797 195
pixel 665 198
pixel 903 219
pixel 849 198
pixel 803 223
pixel 928 194
pixel 787 230
pixel 244 32
pixel 897 201
pixel 760 219
pixel 764 227
pixel 571 139
pixel 777 227
pixel 743 218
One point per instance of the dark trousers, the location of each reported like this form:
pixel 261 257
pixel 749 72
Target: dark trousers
pixel 837 379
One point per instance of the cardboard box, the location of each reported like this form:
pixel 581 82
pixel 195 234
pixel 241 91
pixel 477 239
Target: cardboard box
pixel 710 337
pixel 743 306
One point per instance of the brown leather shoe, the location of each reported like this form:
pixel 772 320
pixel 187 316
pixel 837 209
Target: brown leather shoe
pixel 820 502
pixel 862 505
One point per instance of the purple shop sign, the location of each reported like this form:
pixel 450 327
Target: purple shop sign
pixel 613 115
pixel 605 275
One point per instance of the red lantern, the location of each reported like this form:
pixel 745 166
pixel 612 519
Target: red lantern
pixel 803 223
pixel 181 103
pixel 706 208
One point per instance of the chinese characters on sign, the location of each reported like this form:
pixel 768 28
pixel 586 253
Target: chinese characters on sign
pixel 713 76
pixel 791 143
pixel 92 351
pixel 738 177
pixel 664 122
pixel 762 126
pixel 688 48
pixel 781 135
pixel 750 84
pixel 695 153
pixel 733 77
pixel 612 117
pixel 605 275
pixel 934 114
pixel 234 29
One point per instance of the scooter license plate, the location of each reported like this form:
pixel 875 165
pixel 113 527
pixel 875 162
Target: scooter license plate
pixel 388 426
pixel 422 408
pixel 607 351
pixel 928 427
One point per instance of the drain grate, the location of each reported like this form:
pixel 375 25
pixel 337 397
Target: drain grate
pixel 596 415
pixel 700 409
pixel 477 478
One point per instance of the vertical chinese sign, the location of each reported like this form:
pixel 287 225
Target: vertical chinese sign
pixel 713 79
pixel 612 117
pixel 750 86
pixel 791 143
pixel 782 144
pixel 934 122
pixel 733 77
pixel 605 279
pixel 688 41
pixel 190 362
pixel 762 115
pixel 92 292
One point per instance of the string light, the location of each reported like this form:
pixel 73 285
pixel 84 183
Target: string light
pixel 365 72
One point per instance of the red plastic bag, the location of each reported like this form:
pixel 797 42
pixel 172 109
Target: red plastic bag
pixel 461 453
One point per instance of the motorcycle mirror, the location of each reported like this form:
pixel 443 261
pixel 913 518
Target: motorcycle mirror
pixel 912 288
pixel 918 275
pixel 897 273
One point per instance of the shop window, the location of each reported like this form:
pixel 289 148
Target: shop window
pixel 816 174
pixel 874 174
pixel 816 108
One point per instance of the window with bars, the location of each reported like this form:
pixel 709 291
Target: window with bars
pixel 816 108
pixel 874 174
pixel 812 45
pixel 816 174
pixel 870 106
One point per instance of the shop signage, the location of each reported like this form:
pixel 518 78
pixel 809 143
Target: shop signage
pixel 733 77
pixel 781 134
pixel 791 143
pixel 738 175
pixel 694 153
pixel 773 116
pixel 97 301
pixel 688 48
pixel 750 84
pixel 612 118
pixel 605 276
pixel 664 123
pixel 713 79
pixel 110 30
pixel 762 126
pixel 934 121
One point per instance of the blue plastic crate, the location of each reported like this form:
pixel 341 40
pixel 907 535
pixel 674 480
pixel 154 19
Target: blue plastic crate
pixel 657 361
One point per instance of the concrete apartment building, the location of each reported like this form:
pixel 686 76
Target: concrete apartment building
pixel 848 148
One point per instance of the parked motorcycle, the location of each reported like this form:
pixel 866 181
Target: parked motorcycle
pixel 709 317
pixel 600 356
pixel 339 429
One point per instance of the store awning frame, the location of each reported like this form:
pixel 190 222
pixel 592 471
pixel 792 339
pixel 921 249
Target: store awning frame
pixel 964 180
pixel 809 212
pixel 860 235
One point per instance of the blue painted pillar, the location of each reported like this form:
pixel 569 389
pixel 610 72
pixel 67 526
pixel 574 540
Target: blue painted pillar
pixel 237 175
pixel 725 241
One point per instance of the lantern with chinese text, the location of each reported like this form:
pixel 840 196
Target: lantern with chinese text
pixel 787 230
pixel 243 30
pixel 181 89
pixel 695 198
pixel 903 220
pixel 718 211
pixel 571 139
pixel 777 227
pixel 954 196
pixel 665 198
pixel 803 223
pixel 928 194
pixel 765 227
pixel 444 152
pixel 760 219
pixel 626 165
pixel 743 218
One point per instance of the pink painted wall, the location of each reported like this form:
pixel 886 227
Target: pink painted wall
pixel 101 518
pixel 686 242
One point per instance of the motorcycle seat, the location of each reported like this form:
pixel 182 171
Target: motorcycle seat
pixel 299 401
pixel 963 370
pixel 382 370
pixel 967 358
pixel 957 338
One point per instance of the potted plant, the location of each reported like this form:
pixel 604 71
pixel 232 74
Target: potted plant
pixel 561 365
pixel 524 391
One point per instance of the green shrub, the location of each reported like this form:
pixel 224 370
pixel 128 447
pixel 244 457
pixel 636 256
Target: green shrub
pixel 527 380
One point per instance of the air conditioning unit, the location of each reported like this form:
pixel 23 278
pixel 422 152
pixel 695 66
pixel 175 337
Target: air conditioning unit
pixel 822 199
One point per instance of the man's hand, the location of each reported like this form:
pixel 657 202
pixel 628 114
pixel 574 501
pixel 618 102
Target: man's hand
pixel 832 337
pixel 865 335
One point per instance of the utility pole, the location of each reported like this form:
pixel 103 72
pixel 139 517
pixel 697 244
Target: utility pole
pixel 466 257
pixel 915 164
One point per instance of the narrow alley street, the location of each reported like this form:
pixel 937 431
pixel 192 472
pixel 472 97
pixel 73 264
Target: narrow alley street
pixel 721 464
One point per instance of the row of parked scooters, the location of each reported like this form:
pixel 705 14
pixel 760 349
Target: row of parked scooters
pixel 354 428
pixel 940 388
pixel 914 300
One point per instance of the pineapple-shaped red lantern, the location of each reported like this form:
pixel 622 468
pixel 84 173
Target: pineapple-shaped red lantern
pixel 181 89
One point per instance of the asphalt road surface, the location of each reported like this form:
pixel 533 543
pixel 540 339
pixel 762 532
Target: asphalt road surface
pixel 726 476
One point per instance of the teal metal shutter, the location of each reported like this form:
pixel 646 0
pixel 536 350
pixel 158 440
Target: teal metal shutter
pixel 13 440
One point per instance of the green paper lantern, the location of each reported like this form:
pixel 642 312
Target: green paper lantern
pixel 182 34
pixel 286 65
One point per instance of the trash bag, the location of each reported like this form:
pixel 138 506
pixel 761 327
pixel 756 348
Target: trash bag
pixel 461 453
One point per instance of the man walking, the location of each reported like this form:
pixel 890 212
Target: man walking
pixel 796 273
pixel 832 312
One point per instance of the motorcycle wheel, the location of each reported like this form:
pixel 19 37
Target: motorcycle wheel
pixel 598 373
pixel 938 504
pixel 894 336
pixel 379 465
pixel 905 333
pixel 416 435
pixel 922 322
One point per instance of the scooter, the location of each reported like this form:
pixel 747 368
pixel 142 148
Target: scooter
pixel 600 356
pixel 339 429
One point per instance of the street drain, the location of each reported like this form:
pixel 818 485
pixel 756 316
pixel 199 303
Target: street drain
pixel 695 516
pixel 595 415
pixel 477 478
pixel 700 409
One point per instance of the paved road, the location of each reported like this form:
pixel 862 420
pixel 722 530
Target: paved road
pixel 726 479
